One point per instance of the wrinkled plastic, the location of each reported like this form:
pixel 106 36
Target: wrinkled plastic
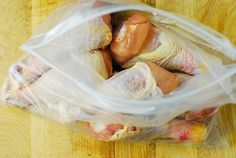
pixel 62 85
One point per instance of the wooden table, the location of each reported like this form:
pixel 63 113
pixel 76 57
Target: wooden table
pixel 24 135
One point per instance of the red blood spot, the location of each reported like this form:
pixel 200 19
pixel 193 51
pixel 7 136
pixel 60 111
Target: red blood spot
pixel 185 135
pixel 133 128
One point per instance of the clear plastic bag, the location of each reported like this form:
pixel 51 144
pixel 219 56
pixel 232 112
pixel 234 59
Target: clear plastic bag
pixel 66 76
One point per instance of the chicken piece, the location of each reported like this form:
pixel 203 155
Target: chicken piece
pixel 169 54
pixel 175 129
pixel 51 95
pixel 108 62
pixel 185 131
pixel 150 44
pixel 136 82
pixel 200 115
pixel 95 34
pixel 166 80
pixel 107 20
pixel 22 84
pixel 27 70
pixel 86 37
pixel 100 61
pixel 128 38
pixel 111 132
pixel 21 74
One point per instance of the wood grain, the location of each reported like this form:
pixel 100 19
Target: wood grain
pixel 49 139
pixel 15 28
pixel 15 133
pixel 28 135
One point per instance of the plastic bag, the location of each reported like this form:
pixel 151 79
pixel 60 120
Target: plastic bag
pixel 68 77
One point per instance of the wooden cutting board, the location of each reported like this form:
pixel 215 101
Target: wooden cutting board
pixel 25 135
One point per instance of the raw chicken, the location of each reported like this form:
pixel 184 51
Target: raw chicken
pixel 31 82
pixel 142 81
pixel 138 40
pixel 136 82
pixel 200 115
pixel 24 76
pixel 128 38
pixel 111 131
pixel 185 131
pixel 176 129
